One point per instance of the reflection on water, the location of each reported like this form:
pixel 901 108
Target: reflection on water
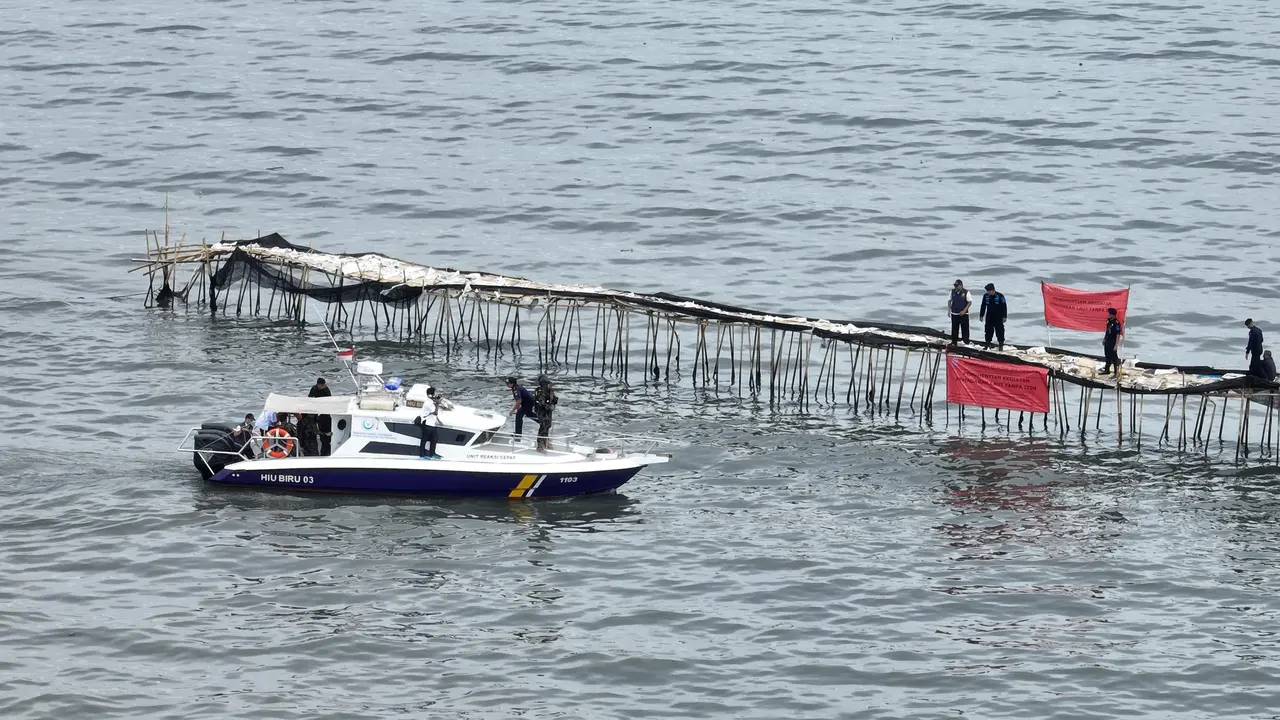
pixel 314 525
pixel 1010 498
pixel 568 513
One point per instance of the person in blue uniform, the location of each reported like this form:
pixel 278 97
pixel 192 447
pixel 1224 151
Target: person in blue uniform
pixel 523 406
pixel 993 314
pixel 1253 350
pixel 1110 340
pixel 958 308
pixel 1268 366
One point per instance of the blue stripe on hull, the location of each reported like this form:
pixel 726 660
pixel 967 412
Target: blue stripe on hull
pixel 427 482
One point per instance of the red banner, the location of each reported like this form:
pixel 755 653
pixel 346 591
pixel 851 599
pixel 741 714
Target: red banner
pixel 1073 309
pixel 985 383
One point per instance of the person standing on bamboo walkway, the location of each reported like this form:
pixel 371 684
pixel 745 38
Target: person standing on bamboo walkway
pixel 1110 340
pixel 1253 350
pixel 958 308
pixel 993 314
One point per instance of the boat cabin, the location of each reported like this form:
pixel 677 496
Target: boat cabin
pixel 380 419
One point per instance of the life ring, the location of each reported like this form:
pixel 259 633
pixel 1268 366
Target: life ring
pixel 277 444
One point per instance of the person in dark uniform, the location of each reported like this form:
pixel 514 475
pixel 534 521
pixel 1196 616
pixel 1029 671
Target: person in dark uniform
pixel 958 308
pixel 324 423
pixel 1268 366
pixel 308 431
pixel 1253 350
pixel 524 404
pixel 1110 340
pixel 993 313
pixel 545 400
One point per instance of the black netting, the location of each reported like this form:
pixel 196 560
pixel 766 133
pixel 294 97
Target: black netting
pixel 241 266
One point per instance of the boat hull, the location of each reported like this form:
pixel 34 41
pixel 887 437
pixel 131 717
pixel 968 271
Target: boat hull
pixel 425 477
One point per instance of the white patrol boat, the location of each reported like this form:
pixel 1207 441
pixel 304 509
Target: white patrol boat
pixel 375 450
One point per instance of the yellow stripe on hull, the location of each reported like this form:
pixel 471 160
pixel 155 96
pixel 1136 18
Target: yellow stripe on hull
pixel 523 487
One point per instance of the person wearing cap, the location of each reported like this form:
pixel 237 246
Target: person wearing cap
pixel 958 309
pixel 1110 339
pixel 993 313
pixel 1253 350
pixel 544 398
pixel 524 405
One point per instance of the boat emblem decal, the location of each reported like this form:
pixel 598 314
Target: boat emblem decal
pixel 368 423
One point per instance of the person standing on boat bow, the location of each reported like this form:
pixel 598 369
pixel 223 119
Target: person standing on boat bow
pixel 427 422
pixel 545 400
pixel 523 407
pixel 958 307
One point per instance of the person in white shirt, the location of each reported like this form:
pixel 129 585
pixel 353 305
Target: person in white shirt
pixel 427 421
pixel 264 423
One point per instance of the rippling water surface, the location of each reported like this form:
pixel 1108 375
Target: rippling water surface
pixel 842 160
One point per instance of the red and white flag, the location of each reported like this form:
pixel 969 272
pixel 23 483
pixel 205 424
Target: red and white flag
pixel 347 355
pixel 1073 309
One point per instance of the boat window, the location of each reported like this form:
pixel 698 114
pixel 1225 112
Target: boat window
pixel 386 448
pixel 484 437
pixel 444 436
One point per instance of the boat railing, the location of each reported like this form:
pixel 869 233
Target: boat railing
pixel 187 445
pixel 576 443
pixel 632 444
pixel 555 444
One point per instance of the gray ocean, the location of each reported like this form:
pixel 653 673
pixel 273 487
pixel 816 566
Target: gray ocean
pixel 844 160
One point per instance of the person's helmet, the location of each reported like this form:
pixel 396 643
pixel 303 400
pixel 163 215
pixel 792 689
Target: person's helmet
pixel 511 380
pixel 544 380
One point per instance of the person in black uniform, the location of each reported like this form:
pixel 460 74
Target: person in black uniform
pixel 324 423
pixel 545 400
pixel 1109 342
pixel 993 313
pixel 1253 350
pixel 958 308
pixel 307 434
pixel 523 406
pixel 1268 366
